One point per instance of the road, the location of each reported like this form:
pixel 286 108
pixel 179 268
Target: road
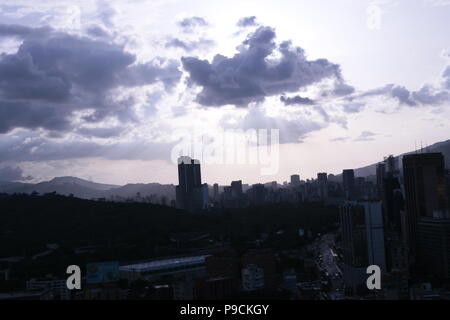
pixel 328 264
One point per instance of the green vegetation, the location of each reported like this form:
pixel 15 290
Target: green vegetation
pixel 134 231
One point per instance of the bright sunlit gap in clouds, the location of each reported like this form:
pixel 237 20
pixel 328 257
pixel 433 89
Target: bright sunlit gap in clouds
pixel 100 90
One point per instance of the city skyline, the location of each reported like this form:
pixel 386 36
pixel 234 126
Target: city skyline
pixel 117 89
pixel 226 181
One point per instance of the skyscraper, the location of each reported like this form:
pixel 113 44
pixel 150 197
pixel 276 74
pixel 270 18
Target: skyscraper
pixel 216 191
pixel 348 183
pixel 381 174
pixel 425 192
pixel 236 189
pixel 362 240
pixel 258 194
pixel 322 179
pixel 295 180
pixel 190 193
pixel 434 246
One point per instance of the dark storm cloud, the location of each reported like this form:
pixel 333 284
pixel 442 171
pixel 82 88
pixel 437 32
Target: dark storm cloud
pixel 296 100
pixel 190 24
pixel 97 31
pixel 51 77
pixel 15 30
pixel 247 22
pixel 254 73
pixel 10 174
pixel 189 45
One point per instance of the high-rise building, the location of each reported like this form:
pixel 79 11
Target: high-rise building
pixel 236 189
pixel 425 192
pixel 434 246
pixel 391 163
pixel 381 174
pixel 322 179
pixel 191 194
pixel 295 180
pixel 362 240
pixel 216 191
pixel 360 190
pixel 258 194
pixel 348 183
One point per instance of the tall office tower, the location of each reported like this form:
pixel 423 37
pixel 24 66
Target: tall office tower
pixel 392 198
pixel 216 191
pixel 434 246
pixel 362 240
pixel 322 179
pixel 425 192
pixel 391 165
pixel 360 188
pixel 348 183
pixel 447 178
pixel 190 193
pixel 381 174
pixel 227 194
pixel 258 194
pixel 295 180
pixel 236 189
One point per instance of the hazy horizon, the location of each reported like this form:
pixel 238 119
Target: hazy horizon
pixel 106 90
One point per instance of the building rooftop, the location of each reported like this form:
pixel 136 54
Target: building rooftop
pixel 164 264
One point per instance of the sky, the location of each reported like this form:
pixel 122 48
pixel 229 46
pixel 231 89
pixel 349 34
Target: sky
pixel 114 91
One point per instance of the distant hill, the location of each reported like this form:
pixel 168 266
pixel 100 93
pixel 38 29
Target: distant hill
pixel 443 147
pixel 89 190
pixel 81 182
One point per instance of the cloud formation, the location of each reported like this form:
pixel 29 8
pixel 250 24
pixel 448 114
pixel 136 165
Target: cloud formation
pixel 247 22
pixel 24 146
pixel 55 74
pixel 366 136
pixel 296 100
pixel 291 130
pixel 189 25
pixel 189 46
pixel 427 95
pixel 261 68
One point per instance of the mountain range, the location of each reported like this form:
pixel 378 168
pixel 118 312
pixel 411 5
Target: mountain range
pixel 89 190
pixel 442 147
pixel 84 189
